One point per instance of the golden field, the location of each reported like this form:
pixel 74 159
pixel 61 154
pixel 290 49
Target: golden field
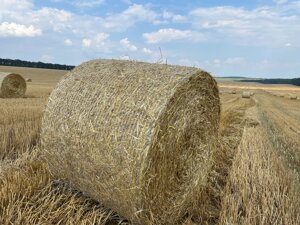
pixel 255 177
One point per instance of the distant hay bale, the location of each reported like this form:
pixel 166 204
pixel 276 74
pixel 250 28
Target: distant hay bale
pixel 28 80
pixel 233 92
pixel 251 93
pixel 293 97
pixel 246 94
pixel 12 85
pixel 281 95
pixel 136 136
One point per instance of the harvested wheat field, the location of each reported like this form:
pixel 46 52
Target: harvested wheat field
pixel 164 154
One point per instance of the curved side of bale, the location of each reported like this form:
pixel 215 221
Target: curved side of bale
pixel 246 94
pixel 12 85
pixel 136 136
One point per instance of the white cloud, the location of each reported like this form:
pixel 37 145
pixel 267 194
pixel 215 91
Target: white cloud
pixel 101 38
pixel 127 18
pixel 173 17
pixel 57 20
pixel 168 17
pixel 288 44
pixel 179 18
pixel 15 5
pixel 18 30
pixel 147 51
pixel 127 45
pixel 51 19
pixel 267 26
pixel 86 43
pixel 170 34
pixel 82 3
pixel 99 42
pixel 68 42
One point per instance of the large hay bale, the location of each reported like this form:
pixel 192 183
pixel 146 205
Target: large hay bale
pixel 246 94
pixel 12 85
pixel 293 97
pixel 136 136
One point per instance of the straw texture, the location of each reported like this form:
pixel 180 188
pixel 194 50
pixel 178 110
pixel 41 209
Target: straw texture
pixel 12 85
pixel 136 136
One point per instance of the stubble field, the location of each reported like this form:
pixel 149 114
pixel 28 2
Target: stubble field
pixel 255 178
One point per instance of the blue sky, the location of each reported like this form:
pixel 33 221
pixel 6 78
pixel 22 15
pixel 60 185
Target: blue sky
pixel 259 38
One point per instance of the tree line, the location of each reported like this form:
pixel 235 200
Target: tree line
pixel 294 81
pixel 22 63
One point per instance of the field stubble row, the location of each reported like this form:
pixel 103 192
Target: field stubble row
pixel 248 184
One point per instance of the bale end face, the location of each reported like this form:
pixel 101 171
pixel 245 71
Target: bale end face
pixel 12 85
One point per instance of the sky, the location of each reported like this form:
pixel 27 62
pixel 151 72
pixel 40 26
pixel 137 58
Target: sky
pixel 257 38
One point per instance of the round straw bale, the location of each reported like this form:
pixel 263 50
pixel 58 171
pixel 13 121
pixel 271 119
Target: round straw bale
pixel 28 80
pixel 233 92
pixel 12 85
pixel 246 94
pixel 293 97
pixel 136 136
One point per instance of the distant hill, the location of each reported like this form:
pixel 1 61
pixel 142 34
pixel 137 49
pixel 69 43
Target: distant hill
pixel 294 81
pixel 22 63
